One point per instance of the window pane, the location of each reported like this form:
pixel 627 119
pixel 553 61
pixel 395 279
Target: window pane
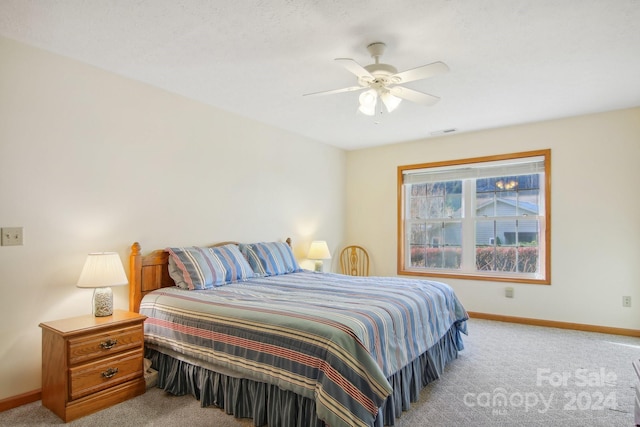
pixel 436 189
pixel 452 233
pixel 453 199
pixel 528 259
pixel 496 258
pixel 418 234
pixel 507 245
pixel 506 202
pixel 494 241
pixel 436 200
pixel 528 246
pixel 507 196
pixel 417 244
pixel 453 206
pixel 444 257
pixel 418 255
pixel 506 183
pixel 528 202
pixel 529 182
pixel 435 207
pixel 485 204
pixel 486 234
pixel 418 209
pixel 528 232
pixel 505 232
pixel 419 190
pixel 434 235
pixel 444 248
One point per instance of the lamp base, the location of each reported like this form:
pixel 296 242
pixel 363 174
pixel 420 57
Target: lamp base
pixel 319 268
pixel 102 302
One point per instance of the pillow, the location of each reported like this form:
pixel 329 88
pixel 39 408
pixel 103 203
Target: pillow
pixel 197 268
pixel 270 259
pixel 176 274
pixel 233 262
pixel 194 268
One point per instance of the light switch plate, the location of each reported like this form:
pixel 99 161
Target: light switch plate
pixel 11 236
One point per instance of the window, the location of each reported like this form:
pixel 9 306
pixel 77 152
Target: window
pixel 483 218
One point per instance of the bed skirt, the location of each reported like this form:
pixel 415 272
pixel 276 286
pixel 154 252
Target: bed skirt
pixel 270 405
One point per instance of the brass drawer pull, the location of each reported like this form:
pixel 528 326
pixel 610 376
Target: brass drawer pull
pixel 110 372
pixel 108 344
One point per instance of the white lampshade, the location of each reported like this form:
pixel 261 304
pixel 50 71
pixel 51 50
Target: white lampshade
pixel 319 251
pixel 390 101
pixel 101 271
pixel 368 101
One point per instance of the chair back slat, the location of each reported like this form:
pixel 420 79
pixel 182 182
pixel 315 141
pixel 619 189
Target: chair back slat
pixel 354 261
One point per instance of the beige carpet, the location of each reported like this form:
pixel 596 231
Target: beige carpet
pixel 508 375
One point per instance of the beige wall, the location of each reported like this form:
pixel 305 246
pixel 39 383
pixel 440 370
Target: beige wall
pixel 92 161
pixel 595 214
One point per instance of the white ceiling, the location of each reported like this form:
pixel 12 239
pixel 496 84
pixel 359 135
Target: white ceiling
pixel 511 61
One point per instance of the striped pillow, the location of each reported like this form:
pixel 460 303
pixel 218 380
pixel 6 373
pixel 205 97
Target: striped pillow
pixel 270 259
pixel 176 273
pixel 233 262
pixel 197 268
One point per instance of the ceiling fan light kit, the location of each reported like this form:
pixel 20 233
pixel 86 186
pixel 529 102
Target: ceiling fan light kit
pixel 381 82
pixel 369 101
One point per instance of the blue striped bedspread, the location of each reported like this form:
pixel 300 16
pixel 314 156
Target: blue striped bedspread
pixel 329 337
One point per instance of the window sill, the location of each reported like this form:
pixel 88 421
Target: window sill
pixel 468 276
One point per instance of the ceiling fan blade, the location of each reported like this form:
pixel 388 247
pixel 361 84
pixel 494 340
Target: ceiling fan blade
pixel 355 68
pixel 422 72
pixel 331 92
pixel 413 95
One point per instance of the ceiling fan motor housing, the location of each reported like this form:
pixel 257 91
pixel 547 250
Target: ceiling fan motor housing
pixel 382 74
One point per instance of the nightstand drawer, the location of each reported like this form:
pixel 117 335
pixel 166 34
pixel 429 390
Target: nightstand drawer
pixel 103 344
pixel 104 373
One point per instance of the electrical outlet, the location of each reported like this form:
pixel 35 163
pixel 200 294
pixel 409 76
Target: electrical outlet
pixel 11 236
pixel 508 292
pixel 626 301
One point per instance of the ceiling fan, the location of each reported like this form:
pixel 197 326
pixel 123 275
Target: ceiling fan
pixel 383 81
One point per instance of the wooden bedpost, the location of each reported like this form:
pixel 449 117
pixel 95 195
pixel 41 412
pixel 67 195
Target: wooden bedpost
pixel 288 241
pixel 135 278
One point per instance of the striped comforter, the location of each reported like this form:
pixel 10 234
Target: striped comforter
pixel 332 338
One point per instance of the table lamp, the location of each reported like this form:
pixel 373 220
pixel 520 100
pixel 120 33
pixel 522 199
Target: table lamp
pixel 319 251
pixel 101 271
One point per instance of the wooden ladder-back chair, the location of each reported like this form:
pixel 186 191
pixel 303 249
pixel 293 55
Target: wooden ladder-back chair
pixel 354 261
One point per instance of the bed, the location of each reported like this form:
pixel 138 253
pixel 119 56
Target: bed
pixel 242 327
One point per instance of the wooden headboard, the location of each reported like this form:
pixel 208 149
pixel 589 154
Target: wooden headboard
pixel 150 272
pixel 147 273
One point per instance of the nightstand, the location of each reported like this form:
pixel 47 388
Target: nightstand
pixel 90 363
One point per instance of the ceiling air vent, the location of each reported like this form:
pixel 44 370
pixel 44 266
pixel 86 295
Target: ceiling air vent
pixel 443 132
